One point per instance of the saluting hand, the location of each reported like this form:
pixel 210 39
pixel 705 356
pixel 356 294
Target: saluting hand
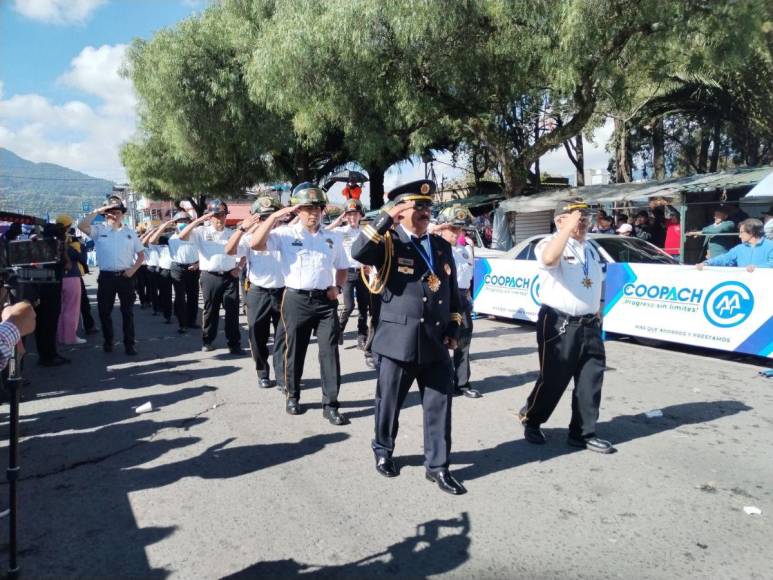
pixel 399 209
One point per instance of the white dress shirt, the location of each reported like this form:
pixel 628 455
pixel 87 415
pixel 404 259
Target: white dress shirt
pixel 465 264
pixel 307 259
pixel 164 258
pixel 151 256
pixel 348 235
pixel 263 267
pixel 183 252
pixel 116 248
pixel 561 286
pixel 211 246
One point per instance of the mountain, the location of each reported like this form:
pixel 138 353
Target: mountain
pixel 45 188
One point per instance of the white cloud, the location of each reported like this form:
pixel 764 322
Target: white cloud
pixel 75 134
pixel 57 11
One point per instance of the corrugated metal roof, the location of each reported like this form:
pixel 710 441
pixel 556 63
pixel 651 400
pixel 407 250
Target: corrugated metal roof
pixel 704 182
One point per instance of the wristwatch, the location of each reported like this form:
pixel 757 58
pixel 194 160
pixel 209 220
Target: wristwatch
pixel 241 229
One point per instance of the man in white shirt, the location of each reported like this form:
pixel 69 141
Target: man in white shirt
pixel 119 254
pixel 451 223
pixel 569 331
pixel 264 294
pixel 219 275
pixel 184 273
pixel 158 243
pixel 353 287
pixel 309 255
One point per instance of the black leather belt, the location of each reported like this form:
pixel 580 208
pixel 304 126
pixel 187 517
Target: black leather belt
pixel 112 272
pixel 269 290
pixel 217 273
pixel 312 293
pixel 582 319
pixel 181 265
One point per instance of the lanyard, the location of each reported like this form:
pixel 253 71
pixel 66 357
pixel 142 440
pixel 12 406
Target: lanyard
pixel 585 264
pixel 422 252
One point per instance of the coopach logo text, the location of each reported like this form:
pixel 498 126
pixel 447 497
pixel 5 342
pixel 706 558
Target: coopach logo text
pixel 517 284
pixel 725 305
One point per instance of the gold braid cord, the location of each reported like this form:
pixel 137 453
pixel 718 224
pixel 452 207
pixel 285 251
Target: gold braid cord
pixel 378 285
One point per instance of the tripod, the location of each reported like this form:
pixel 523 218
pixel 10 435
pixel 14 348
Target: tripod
pixel 12 473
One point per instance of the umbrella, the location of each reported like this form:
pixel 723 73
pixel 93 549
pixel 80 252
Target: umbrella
pixel 344 177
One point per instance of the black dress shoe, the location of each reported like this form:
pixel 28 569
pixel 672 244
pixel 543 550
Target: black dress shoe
pixel 293 407
pixel 236 350
pixel 130 350
pixel 207 348
pixel 55 361
pixel 386 466
pixel 534 435
pixel 446 482
pixel 591 444
pixel 107 347
pixel 471 393
pixel 335 418
pixel 264 383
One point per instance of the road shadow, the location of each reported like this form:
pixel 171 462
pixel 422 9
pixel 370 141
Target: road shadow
pixel 622 429
pixel 513 351
pixel 222 462
pixel 513 329
pixel 437 547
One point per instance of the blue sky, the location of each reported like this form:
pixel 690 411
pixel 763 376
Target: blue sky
pixel 62 100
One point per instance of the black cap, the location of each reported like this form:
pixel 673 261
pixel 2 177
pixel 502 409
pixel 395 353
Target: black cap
pixel 572 204
pixel 217 206
pixel 115 202
pixel 420 191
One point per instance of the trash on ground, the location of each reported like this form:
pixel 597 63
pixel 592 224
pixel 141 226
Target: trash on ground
pixel 752 510
pixel 653 414
pixel 144 408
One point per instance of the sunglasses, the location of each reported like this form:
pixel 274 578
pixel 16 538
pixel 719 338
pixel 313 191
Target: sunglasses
pixel 421 206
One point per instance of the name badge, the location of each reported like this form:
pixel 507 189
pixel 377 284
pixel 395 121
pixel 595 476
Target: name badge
pixel 405 270
pixel 405 261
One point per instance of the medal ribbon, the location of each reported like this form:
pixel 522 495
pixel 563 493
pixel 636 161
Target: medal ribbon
pixel 428 260
pixel 585 265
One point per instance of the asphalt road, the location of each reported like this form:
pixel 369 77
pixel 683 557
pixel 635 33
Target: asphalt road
pixel 218 481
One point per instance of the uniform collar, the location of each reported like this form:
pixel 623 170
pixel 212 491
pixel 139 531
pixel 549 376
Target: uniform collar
pixel 301 231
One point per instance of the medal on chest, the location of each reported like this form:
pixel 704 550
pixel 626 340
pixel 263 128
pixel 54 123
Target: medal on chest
pixel 586 281
pixel 433 282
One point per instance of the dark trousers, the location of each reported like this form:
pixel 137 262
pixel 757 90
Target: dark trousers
pixel 462 351
pixel 47 313
pixel 568 349
pixel 164 288
pixel 153 276
pixel 264 308
pixel 109 285
pixel 374 303
pixel 217 289
pixel 435 387
pixel 186 294
pixel 354 289
pixel 302 313
pixel 141 284
pixel 88 319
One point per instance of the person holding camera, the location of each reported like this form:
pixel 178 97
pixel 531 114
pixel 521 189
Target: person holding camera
pixel 119 254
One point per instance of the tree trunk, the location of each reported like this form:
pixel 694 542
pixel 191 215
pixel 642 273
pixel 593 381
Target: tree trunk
pixel 703 154
pixel 717 140
pixel 659 149
pixel 623 156
pixel 376 180
pixel 537 176
pixel 579 154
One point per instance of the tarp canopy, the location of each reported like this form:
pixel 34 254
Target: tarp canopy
pixel 763 189
pixel 470 202
pixel 616 192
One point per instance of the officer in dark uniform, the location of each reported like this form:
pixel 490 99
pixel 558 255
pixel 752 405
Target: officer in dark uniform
pixel 265 289
pixel 314 265
pixel 569 330
pixel 119 254
pixel 418 324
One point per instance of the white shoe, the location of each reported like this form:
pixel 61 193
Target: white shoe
pixel 80 341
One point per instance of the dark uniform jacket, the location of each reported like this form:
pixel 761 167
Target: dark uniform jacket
pixel 414 320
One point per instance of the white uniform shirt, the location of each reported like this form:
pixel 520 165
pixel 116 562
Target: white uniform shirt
pixel 211 246
pixel 561 286
pixel 182 252
pixel 348 235
pixel 151 256
pixel 116 249
pixel 263 268
pixel 465 264
pixel 308 260
pixel 164 258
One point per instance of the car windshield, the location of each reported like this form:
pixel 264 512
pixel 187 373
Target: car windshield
pixel 633 250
